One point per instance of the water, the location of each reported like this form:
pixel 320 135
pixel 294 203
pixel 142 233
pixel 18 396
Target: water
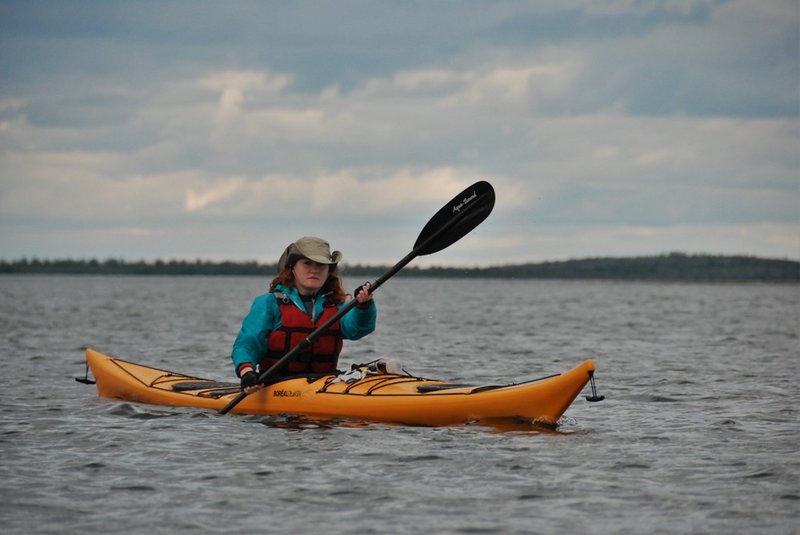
pixel 698 433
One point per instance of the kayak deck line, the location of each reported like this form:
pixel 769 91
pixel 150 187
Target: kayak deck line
pixel 200 385
pixel 386 398
pixel 375 383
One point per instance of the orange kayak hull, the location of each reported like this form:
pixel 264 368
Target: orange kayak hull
pixel 396 399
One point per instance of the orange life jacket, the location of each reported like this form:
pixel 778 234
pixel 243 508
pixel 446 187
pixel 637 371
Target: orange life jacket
pixel 320 357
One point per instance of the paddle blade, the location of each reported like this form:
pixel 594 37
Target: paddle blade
pixel 456 219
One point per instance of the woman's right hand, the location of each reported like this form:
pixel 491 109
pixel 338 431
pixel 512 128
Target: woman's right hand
pixel 250 382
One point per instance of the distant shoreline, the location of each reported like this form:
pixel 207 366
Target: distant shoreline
pixel 668 267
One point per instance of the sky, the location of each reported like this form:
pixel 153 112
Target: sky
pixel 226 130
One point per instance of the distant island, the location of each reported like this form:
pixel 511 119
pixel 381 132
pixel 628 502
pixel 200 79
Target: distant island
pixel 667 267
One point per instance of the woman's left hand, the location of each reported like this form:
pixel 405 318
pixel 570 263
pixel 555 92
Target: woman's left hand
pixel 363 293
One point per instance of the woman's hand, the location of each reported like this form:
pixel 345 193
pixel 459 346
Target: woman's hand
pixel 250 382
pixel 363 293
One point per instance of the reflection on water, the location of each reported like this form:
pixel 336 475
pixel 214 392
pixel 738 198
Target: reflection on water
pixel 498 425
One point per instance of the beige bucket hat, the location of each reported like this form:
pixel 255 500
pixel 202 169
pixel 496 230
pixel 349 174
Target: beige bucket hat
pixel 315 249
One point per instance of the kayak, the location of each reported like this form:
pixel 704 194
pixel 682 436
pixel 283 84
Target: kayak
pixel 387 398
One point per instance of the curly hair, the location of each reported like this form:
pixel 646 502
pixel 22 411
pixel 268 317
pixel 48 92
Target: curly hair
pixel 332 288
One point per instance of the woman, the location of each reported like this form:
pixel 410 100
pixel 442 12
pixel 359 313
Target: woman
pixel 306 293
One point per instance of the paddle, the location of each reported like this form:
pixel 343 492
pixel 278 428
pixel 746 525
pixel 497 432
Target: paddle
pixel 454 221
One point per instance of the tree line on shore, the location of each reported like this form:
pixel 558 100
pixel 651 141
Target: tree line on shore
pixel 672 266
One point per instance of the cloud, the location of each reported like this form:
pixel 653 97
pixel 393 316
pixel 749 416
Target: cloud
pixel 234 87
pixel 366 193
pixel 629 126
pixel 219 192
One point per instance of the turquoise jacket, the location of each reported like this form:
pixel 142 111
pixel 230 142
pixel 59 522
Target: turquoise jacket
pixel 265 316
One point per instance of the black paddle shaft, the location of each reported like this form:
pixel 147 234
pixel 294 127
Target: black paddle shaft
pixel 456 219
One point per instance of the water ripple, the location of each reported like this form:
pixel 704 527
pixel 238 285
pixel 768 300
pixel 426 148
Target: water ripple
pixel 698 432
